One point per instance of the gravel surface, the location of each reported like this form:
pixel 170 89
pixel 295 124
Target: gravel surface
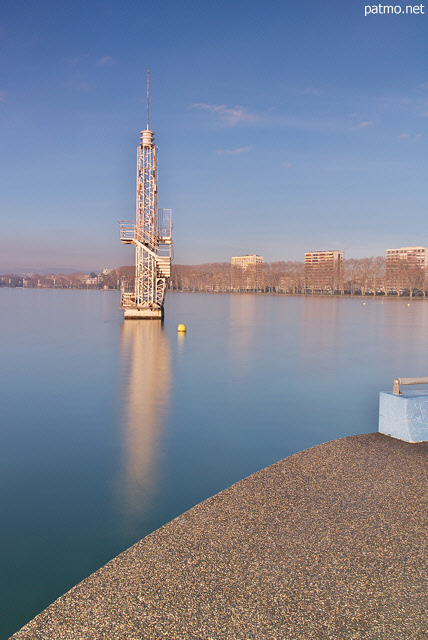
pixel 328 544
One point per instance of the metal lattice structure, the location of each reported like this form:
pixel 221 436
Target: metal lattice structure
pixel 151 235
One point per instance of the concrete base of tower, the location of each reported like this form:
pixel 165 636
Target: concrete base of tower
pixel 143 313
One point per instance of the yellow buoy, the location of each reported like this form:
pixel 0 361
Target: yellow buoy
pixel 181 328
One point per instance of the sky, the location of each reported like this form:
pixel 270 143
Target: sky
pixel 282 127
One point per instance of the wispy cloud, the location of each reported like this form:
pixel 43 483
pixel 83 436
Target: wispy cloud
pixel 3 96
pixel 287 165
pixel 414 104
pixel 394 100
pixel 230 152
pixel 73 62
pixel 365 124
pixel 233 116
pixel 230 115
pixel 87 61
pixel 103 61
pixel 407 136
pixel 313 91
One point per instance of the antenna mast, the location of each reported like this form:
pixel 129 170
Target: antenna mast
pixel 147 98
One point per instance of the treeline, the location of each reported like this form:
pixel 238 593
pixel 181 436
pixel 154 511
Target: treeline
pixel 77 280
pixel 213 276
pixel 361 276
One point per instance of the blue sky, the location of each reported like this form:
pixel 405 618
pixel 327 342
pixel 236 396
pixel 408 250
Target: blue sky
pixel 282 127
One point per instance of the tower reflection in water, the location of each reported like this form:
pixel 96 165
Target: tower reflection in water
pixel 145 393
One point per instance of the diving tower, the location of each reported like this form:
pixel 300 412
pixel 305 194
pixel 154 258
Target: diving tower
pixel 143 296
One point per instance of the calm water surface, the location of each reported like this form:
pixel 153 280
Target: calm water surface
pixel 111 429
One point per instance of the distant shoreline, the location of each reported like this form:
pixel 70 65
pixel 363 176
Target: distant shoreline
pixel 360 296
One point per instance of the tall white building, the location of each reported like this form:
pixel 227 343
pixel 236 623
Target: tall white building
pixel 247 272
pixel 324 270
pixel 406 269
pixel 417 255
pixel 246 261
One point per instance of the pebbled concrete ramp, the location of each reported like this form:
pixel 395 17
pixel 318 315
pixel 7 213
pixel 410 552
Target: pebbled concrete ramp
pixel 330 544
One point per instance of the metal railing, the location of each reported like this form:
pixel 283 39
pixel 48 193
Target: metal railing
pixel 127 284
pixel 164 224
pixel 127 230
pixel 164 251
pixel 127 299
pixel 404 381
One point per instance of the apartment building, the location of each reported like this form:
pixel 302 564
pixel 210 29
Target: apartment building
pixel 406 269
pixel 324 270
pixel 247 272
pixel 413 255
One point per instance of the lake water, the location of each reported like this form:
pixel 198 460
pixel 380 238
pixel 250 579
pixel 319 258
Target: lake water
pixel 111 429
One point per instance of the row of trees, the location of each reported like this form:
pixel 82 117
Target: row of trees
pixel 364 276
pixel 77 280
